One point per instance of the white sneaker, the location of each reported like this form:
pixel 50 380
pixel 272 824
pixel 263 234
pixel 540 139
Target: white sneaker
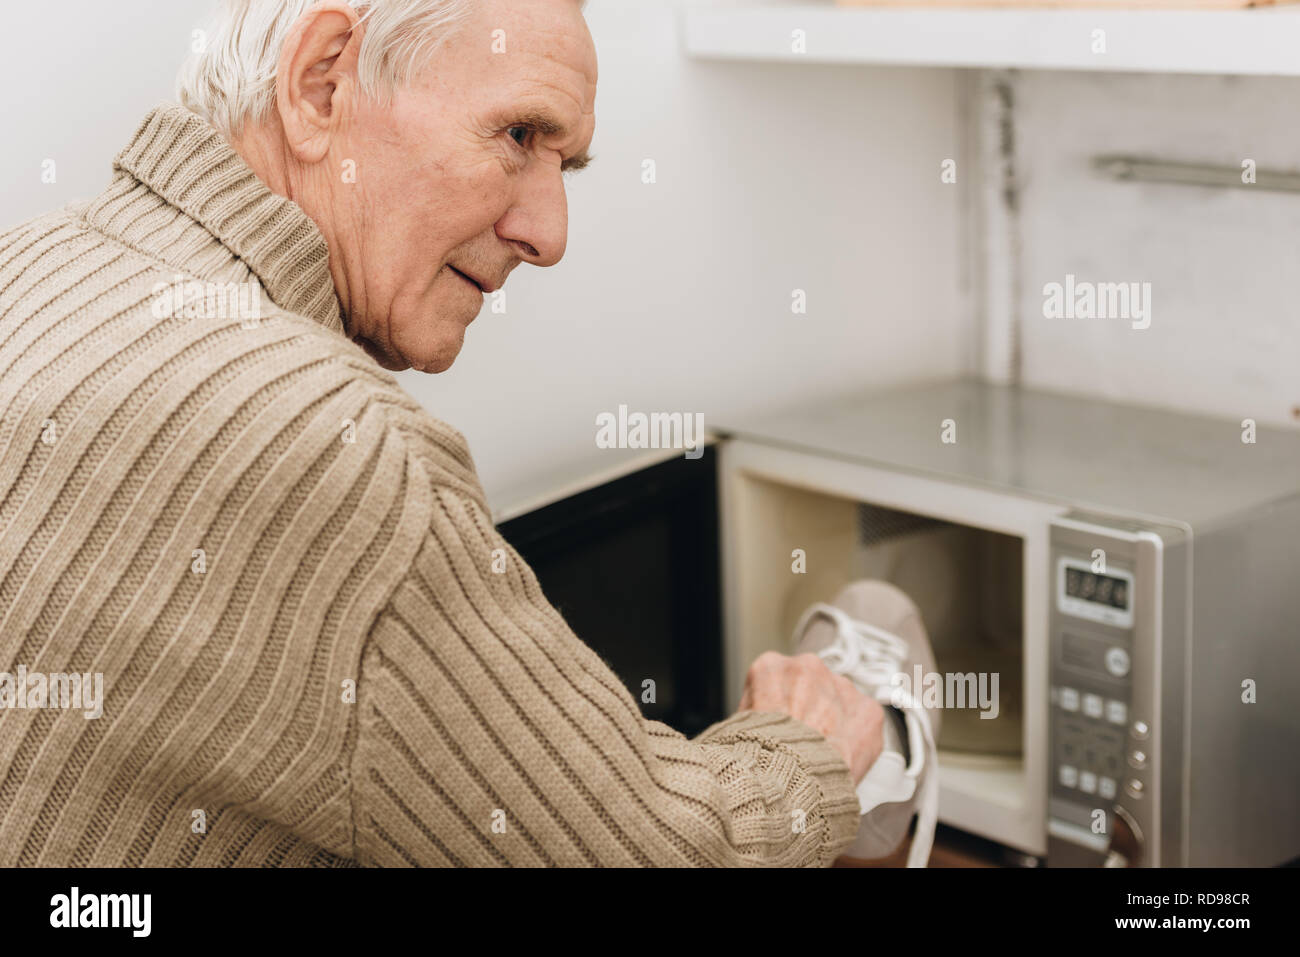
pixel 872 632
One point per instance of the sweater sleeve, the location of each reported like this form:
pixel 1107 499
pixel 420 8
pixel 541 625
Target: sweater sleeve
pixel 489 734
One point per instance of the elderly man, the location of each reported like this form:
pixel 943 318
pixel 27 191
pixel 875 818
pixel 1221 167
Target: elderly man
pixel 280 565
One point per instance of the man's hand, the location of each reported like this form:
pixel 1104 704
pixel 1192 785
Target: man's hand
pixel 804 688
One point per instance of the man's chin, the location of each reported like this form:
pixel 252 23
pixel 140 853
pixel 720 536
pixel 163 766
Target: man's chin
pixel 386 360
pixel 433 366
pixel 433 349
pixel 395 361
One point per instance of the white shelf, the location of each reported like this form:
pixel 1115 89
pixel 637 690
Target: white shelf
pixel 1255 42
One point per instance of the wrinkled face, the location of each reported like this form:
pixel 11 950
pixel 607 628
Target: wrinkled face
pixel 462 178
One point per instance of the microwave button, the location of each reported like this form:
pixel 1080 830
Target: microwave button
pixel 1138 759
pixel 1106 788
pixel 1116 712
pixel 1069 775
pixel 1087 782
pixel 1092 705
pixel 1069 699
pixel 1134 788
pixel 1117 662
pixel 1140 730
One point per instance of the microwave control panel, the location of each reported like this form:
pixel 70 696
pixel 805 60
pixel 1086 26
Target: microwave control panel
pixel 1102 740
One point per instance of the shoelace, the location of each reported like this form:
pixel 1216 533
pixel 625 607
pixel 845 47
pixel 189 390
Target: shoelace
pixel 862 651
pixel 872 656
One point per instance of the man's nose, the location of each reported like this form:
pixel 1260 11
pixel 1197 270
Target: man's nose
pixel 538 223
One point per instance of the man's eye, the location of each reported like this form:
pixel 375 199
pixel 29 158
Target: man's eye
pixel 519 134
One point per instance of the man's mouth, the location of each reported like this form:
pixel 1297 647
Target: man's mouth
pixel 469 279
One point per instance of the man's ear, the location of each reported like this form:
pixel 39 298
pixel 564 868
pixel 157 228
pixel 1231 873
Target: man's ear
pixel 316 84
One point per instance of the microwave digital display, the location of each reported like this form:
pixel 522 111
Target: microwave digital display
pixel 1102 589
pixel 1106 597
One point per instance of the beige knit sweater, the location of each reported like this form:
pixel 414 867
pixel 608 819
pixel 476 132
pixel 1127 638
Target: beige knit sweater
pixel 283 569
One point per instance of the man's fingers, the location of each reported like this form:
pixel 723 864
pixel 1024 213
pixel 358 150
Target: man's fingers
pixel 846 690
pixel 806 689
pixel 808 686
pixel 767 682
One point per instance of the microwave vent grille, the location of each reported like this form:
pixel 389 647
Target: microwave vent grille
pixel 878 524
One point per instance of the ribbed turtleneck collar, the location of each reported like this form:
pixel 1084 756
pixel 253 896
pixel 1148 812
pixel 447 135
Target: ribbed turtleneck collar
pixel 177 156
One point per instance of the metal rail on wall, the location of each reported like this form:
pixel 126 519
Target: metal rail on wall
pixel 1139 170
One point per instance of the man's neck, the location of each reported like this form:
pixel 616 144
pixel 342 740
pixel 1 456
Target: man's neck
pixel 264 147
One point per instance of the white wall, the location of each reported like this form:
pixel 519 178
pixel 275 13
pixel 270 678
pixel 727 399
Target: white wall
pixel 76 78
pixel 1223 263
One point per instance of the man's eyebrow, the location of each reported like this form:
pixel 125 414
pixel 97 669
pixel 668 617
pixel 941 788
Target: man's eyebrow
pixel 574 163
pixel 547 125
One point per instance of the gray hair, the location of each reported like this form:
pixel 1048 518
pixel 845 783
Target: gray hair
pixel 230 78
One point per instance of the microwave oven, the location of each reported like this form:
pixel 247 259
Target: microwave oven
pixel 1127 579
